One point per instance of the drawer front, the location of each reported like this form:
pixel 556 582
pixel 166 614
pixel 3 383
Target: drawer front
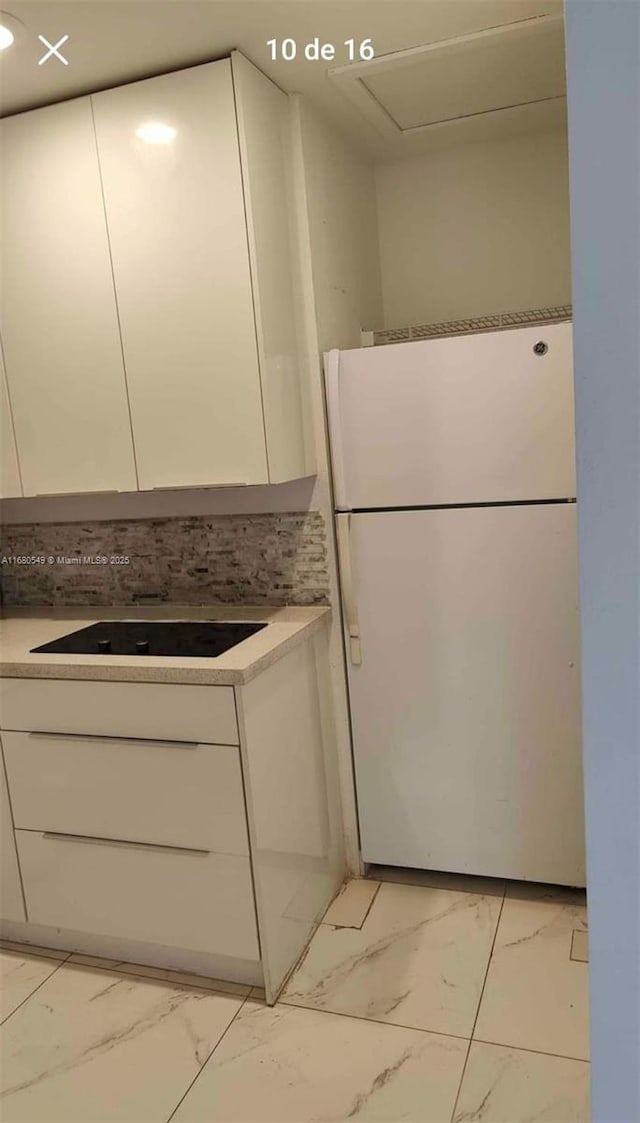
pixel 11 902
pixel 166 792
pixel 179 898
pixel 120 709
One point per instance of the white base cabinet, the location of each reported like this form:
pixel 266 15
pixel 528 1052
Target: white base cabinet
pixel 149 822
pixel 148 315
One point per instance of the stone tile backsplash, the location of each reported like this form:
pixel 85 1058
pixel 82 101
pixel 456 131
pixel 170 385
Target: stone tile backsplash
pixel 233 559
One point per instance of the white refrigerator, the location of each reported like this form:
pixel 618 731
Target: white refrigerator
pixel 454 484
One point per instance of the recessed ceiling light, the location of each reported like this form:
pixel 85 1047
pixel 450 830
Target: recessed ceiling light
pixel 9 28
pixel 155 132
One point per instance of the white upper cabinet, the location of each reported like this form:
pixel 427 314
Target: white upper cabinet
pixel 263 128
pixel 148 307
pixel 203 289
pixel 10 485
pixel 58 312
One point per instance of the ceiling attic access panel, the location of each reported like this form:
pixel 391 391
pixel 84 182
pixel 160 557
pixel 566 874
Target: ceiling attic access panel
pixel 487 84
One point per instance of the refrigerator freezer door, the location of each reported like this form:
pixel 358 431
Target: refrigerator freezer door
pixel 471 419
pixel 466 706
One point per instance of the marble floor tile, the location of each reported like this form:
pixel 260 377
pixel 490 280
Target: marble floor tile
pixel 536 996
pixel 435 879
pixel 419 960
pixel 95 1045
pixel 286 1065
pixel 21 973
pixel 349 909
pixel 503 1085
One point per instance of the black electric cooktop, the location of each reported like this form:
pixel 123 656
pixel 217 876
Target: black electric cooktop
pixel 180 638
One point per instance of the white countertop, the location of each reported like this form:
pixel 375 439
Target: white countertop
pixel 24 628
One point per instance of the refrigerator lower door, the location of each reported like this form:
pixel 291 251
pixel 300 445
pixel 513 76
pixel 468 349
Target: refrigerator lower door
pixel 466 704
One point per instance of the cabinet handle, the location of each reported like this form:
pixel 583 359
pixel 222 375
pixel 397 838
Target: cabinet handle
pixel 59 836
pixel 332 390
pixel 349 603
pixel 44 736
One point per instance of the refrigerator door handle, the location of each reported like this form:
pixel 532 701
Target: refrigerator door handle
pixel 332 385
pixel 343 534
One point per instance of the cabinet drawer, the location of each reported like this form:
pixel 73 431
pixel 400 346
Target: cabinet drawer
pixel 179 898
pixel 120 709
pixel 11 901
pixel 167 792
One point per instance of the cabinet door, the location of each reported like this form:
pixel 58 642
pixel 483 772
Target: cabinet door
pixel 263 126
pixel 178 236
pixel 11 900
pixel 59 322
pixel 10 485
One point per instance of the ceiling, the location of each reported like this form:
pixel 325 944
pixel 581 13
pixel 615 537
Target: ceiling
pixel 115 41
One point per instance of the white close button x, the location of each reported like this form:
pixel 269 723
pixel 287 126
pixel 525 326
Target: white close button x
pixel 53 50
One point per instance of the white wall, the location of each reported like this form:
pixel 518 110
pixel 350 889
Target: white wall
pixel 603 57
pixel 340 292
pixel 476 229
pixel 341 205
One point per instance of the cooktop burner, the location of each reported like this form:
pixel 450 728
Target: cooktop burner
pixel 180 638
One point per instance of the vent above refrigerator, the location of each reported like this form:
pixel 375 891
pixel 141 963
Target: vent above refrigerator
pixel 497 321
